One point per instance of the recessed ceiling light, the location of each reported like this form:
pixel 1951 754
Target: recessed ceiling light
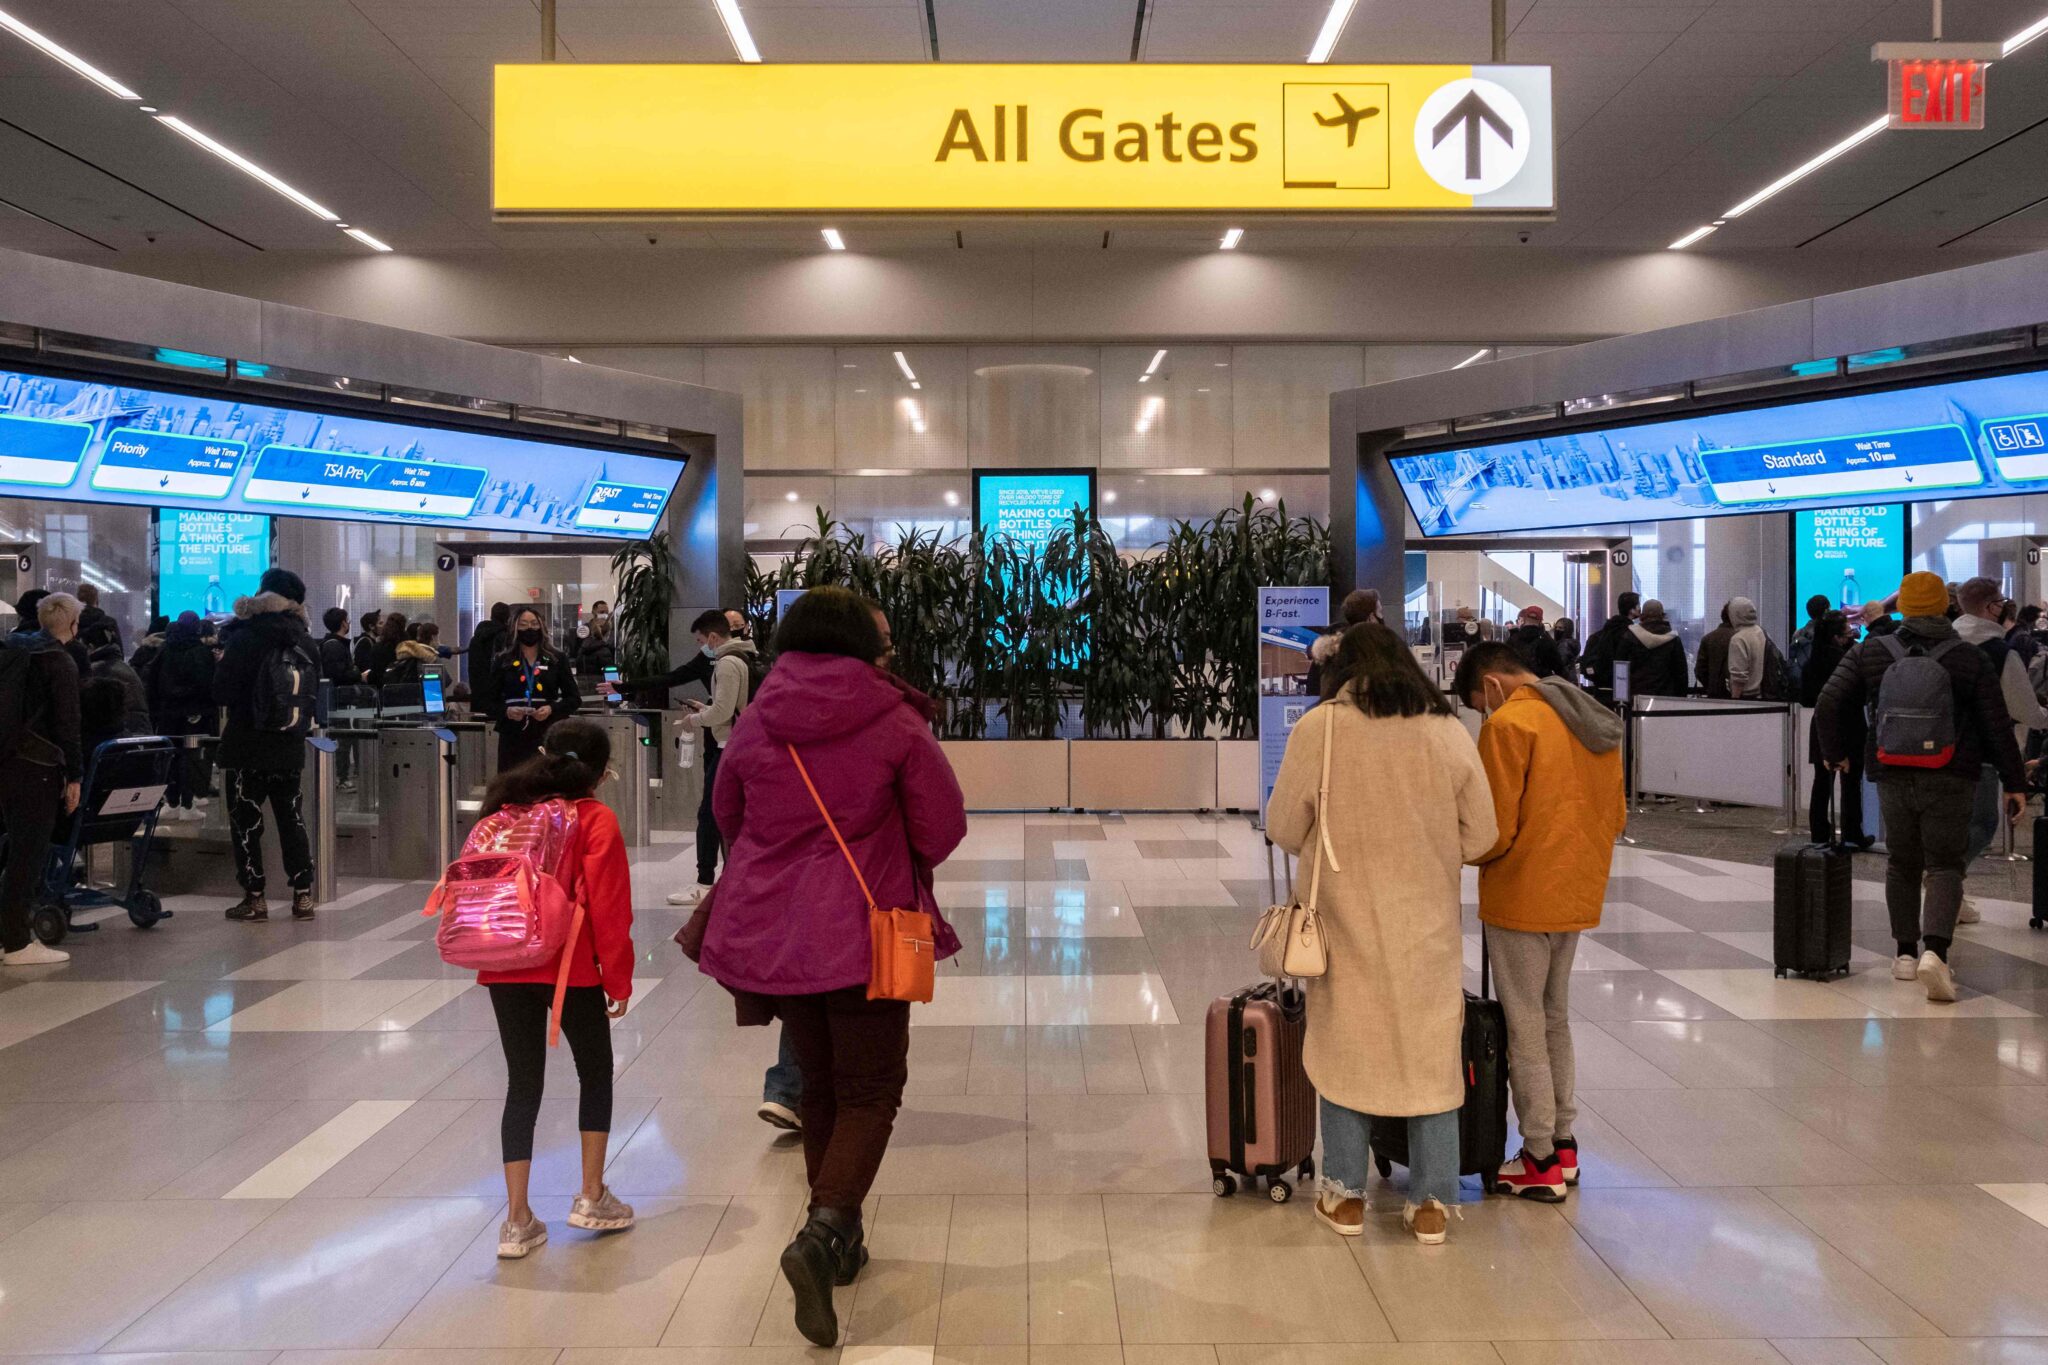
pixel 1265 495
pixel 1683 242
pixel 1799 173
pixel 1108 496
pixel 952 498
pixel 833 239
pixel 790 496
pixel 1472 359
pixel 148 108
pixel 1332 29
pixel 66 56
pixel 736 29
pixel 1231 238
pixel 247 167
pixel 572 360
pixel 371 242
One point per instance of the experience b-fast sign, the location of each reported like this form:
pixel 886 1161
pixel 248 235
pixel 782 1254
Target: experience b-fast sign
pixel 576 140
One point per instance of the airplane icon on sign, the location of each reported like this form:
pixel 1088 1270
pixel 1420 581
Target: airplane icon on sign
pixel 1347 118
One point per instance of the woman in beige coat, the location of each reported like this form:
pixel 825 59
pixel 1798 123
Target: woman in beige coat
pixel 1408 806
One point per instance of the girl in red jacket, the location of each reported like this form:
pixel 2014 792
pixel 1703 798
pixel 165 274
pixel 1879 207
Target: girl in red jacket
pixel 595 874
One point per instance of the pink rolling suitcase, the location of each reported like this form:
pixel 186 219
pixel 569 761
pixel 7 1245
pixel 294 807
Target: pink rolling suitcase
pixel 1262 1109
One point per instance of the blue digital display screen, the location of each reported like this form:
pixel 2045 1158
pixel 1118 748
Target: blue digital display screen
pixel 1849 555
pixel 431 700
pixel 84 440
pixel 1965 439
pixel 1029 506
pixel 206 559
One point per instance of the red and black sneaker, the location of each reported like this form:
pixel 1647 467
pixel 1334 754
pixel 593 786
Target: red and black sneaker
pixel 1524 1175
pixel 1568 1157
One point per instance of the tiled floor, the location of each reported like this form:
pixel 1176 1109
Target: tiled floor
pixel 229 1143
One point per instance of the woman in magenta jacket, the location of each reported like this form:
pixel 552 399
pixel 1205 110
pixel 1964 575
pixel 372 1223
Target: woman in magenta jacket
pixel 788 930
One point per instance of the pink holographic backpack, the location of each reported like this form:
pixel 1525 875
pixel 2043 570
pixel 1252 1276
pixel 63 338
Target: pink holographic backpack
pixel 502 904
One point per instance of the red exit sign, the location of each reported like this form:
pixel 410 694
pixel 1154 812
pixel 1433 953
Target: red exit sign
pixel 1936 85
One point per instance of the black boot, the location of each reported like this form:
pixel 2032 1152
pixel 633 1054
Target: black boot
pixel 813 1262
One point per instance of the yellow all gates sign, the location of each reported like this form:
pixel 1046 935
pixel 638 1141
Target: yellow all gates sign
pixel 669 141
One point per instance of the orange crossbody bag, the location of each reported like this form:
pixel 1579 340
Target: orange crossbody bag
pixel 905 957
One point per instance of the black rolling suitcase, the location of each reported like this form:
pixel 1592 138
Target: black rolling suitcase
pixel 1811 900
pixel 1483 1117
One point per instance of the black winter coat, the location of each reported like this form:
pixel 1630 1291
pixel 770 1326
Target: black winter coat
pixel 1537 649
pixel 262 623
pixel 180 684
pixel 1653 670
pixel 1984 731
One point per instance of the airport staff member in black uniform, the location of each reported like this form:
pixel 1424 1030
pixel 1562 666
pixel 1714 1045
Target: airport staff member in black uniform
pixel 530 686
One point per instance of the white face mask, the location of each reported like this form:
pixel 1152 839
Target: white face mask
pixel 1493 694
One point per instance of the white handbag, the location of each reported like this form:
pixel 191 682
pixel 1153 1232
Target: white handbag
pixel 1289 938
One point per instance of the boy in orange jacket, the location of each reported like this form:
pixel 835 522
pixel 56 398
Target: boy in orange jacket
pixel 1553 758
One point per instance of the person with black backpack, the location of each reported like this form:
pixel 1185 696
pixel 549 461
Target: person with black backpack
pixel 1937 716
pixel 41 762
pixel 267 680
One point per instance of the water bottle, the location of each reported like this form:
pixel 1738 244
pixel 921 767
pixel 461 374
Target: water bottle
pixel 216 597
pixel 1852 596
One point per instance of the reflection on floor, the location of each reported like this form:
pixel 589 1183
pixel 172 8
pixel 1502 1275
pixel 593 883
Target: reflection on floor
pixel 223 1142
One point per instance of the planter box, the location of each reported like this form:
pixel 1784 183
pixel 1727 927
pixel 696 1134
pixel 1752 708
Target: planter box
pixel 1237 774
pixel 1142 774
pixel 1010 774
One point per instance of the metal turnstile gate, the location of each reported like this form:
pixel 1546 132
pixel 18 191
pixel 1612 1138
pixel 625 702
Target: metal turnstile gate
pixel 416 809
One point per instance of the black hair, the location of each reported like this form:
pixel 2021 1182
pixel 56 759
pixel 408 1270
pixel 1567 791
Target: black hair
pixel 2030 613
pixel 829 620
pixel 26 604
pixel 1564 629
pixel 501 612
pixel 1376 672
pixel 1817 605
pixel 1833 625
pixel 335 619
pixel 368 621
pixel 570 764
pixel 284 583
pixel 158 625
pixel 1628 602
pixel 1487 657
pixel 426 632
pixel 711 622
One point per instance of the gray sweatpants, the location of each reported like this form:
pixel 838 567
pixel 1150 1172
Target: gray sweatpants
pixel 1532 975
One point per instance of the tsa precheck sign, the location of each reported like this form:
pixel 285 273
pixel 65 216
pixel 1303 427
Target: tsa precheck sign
pixel 327 479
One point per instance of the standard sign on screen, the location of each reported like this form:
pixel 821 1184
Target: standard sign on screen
pixel 593 140
pixel 1895 461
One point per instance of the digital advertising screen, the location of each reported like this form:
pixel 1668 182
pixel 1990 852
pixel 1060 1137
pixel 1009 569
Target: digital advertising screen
pixel 1849 555
pixel 1968 438
pixel 1030 505
pixel 83 440
pixel 205 560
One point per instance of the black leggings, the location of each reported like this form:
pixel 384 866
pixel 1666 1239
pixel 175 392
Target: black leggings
pixel 522 1010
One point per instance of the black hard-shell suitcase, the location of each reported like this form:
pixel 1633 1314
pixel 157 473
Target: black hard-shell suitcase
pixel 2039 919
pixel 1483 1117
pixel 1812 901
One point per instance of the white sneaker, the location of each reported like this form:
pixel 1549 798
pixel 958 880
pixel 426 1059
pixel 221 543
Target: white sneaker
pixel 1905 967
pixel 36 955
pixel 1968 913
pixel 777 1115
pixel 1938 978
pixel 690 897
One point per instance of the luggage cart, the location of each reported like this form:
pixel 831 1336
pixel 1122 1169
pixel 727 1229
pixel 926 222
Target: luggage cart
pixel 119 800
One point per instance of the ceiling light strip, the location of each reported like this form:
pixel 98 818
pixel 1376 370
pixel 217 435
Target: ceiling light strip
pixel 903 364
pixel 736 29
pixel 1230 239
pixel 1157 356
pixel 1332 29
pixel 371 242
pixel 1683 242
pixel 66 56
pixel 247 167
pixel 2025 35
pixel 1474 358
pixel 833 239
pixel 1799 173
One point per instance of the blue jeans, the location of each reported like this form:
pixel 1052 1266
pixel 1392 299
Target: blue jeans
pixel 784 1083
pixel 1432 1153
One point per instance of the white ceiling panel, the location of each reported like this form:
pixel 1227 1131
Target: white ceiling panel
pixel 1035 30
pixel 841 33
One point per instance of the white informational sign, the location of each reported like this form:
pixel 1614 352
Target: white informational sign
pixel 1289 621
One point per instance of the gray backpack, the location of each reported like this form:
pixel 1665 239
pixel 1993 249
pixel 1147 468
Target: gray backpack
pixel 1915 715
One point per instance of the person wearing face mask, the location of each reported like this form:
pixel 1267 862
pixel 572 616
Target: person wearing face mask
pixel 530 687
pixel 732 685
pixel 1552 755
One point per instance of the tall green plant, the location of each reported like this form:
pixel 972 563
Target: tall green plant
pixel 645 573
